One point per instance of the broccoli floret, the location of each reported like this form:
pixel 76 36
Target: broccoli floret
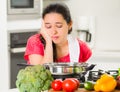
pixel 38 83
pixel 34 79
pixel 26 87
pixel 46 85
pixel 43 75
pixel 48 73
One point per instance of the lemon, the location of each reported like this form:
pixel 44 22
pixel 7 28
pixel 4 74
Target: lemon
pixel 88 85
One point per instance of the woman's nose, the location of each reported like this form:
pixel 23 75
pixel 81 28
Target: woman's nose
pixel 54 30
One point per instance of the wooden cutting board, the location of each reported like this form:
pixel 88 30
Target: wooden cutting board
pixel 80 90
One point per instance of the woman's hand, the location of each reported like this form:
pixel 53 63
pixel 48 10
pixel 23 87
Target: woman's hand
pixel 48 51
pixel 45 34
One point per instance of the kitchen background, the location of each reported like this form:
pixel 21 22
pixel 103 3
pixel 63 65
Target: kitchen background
pixel 105 32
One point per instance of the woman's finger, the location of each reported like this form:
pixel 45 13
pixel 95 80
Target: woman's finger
pixel 43 25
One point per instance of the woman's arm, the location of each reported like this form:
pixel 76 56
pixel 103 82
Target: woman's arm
pixel 48 52
pixel 35 59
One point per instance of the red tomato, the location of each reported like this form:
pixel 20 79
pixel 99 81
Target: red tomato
pixel 69 85
pixel 57 84
pixel 76 80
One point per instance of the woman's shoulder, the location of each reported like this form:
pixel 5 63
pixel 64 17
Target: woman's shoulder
pixel 81 42
pixel 86 51
pixel 34 38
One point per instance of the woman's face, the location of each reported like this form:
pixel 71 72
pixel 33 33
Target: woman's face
pixel 56 27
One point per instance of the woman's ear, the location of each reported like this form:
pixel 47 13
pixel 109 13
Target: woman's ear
pixel 70 25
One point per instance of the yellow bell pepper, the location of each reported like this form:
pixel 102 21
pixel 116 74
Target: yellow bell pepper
pixel 106 83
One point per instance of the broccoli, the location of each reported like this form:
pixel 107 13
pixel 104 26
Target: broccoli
pixel 34 79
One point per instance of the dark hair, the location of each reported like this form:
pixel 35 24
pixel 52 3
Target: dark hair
pixel 61 9
pixel 64 11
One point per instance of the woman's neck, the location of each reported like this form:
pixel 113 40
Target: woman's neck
pixel 62 49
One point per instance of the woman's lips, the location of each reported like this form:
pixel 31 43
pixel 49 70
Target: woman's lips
pixel 55 37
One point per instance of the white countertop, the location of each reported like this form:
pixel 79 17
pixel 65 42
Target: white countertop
pixel 15 90
pixel 11 90
pixel 109 53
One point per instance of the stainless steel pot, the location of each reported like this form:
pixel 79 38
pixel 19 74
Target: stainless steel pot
pixel 68 68
pixel 65 68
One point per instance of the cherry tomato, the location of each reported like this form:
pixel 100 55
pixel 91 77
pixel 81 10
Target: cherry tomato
pixel 69 85
pixel 57 84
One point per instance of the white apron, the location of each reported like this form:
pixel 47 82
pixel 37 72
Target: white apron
pixel 74 49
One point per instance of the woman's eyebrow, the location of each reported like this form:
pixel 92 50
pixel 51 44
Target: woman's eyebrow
pixel 59 23
pixel 47 23
pixel 56 23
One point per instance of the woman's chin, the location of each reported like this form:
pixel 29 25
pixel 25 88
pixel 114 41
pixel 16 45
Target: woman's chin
pixel 56 42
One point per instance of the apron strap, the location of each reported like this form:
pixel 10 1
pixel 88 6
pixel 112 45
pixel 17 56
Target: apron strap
pixel 74 49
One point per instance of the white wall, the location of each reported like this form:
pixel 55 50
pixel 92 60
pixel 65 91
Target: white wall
pixel 108 32
pixel 4 68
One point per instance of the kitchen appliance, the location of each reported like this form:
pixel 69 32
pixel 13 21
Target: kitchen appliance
pixel 85 35
pixel 19 8
pixel 95 75
pixel 86 29
pixel 17 40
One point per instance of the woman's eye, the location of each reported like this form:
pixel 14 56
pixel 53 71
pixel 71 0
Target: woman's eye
pixel 59 26
pixel 48 26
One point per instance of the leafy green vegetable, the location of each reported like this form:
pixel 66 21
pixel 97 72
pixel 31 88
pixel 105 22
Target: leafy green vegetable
pixel 34 79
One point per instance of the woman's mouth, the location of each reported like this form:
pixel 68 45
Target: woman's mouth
pixel 55 37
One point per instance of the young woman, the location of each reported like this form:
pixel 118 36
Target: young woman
pixel 52 44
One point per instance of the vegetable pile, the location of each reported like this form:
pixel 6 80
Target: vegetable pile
pixel 67 85
pixel 106 83
pixel 34 79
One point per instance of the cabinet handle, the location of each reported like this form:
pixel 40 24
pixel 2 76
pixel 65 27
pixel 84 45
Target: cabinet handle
pixel 17 50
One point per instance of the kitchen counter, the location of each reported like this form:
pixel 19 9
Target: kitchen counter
pixel 51 90
pixel 81 90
